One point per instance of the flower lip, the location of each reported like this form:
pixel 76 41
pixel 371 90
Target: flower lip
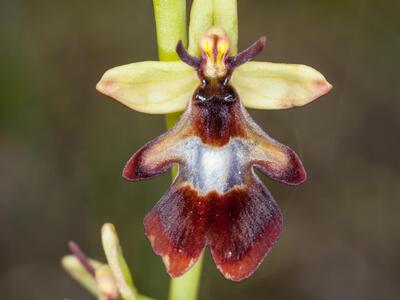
pixel 216 200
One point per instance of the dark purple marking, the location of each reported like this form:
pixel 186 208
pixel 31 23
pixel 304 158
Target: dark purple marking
pixel 217 114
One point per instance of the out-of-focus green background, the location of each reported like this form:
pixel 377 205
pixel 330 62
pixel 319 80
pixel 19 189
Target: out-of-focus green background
pixel 63 146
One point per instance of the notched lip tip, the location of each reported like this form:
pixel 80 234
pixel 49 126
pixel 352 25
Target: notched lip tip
pixel 236 278
pixel 181 273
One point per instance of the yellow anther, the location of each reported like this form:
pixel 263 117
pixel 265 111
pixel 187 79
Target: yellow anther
pixel 223 47
pixel 215 48
pixel 208 48
pixel 222 52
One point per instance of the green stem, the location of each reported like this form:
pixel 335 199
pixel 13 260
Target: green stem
pixel 186 287
pixel 170 18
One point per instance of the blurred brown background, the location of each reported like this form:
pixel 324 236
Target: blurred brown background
pixel 63 146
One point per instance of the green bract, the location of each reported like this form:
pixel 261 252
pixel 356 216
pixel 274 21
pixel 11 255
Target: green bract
pixel 111 281
pixel 117 262
pixel 73 267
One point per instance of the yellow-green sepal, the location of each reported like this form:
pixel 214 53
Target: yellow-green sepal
pixel 264 85
pixel 152 87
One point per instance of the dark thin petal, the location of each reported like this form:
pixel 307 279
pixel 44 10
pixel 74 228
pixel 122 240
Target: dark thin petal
pixel 186 57
pixel 248 54
pixel 81 256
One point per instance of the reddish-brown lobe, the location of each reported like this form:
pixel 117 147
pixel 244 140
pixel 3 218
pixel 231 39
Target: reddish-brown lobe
pixel 240 227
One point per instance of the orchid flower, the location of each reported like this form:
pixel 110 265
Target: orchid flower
pixel 216 199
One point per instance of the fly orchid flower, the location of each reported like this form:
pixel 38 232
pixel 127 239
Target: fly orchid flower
pixel 216 199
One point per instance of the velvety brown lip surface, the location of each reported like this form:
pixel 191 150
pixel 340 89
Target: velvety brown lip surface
pixel 216 120
pixel 240 227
